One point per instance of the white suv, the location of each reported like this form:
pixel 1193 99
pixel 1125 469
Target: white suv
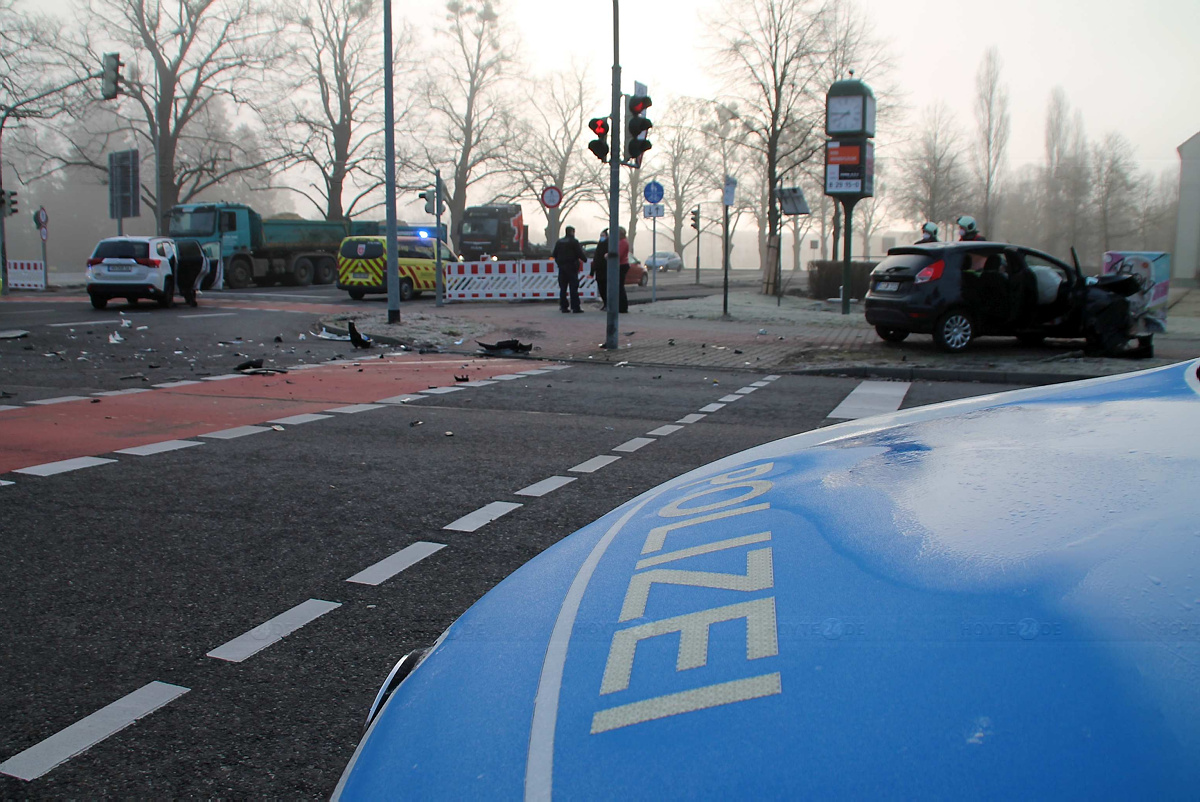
pixel 132 268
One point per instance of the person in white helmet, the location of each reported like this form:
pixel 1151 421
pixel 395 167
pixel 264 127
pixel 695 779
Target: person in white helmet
pixel 929 233
pixel 968 230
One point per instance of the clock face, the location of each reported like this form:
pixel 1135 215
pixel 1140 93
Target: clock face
pixel 844 114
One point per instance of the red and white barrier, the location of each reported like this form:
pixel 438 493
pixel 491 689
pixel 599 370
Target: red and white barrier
pixel 508 281
pixel 24 275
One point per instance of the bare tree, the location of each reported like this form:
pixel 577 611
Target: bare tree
pixel 30 69
pixel 548 152
pixel 686 168
pixel 991 138
pixel 872 211
pixel 465 94
pixel 331 124
pixel 181 59
pixel 935 179
pixel 1114 190
pixel 769 53
pixel 1066 188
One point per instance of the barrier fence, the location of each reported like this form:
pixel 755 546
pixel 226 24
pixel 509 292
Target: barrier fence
pixel 26 275
pixel 513 281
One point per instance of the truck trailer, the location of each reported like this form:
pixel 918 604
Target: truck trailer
pixel 268 251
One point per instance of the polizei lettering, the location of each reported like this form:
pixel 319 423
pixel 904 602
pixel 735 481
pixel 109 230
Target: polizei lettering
pixel 731 500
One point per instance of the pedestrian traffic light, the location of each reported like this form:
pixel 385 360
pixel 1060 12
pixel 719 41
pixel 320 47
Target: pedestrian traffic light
pixel 636 127
pixel 599 145
pixel 696 218
pixel 10 202
pixel 110 78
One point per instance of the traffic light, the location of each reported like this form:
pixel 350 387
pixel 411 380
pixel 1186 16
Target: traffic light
pixel 599 145
pixel 696 218
pixel 430 199
pixel 10 202
pixel 110 78
pixel 636 143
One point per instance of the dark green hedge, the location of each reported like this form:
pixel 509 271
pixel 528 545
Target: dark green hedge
pixel 825 277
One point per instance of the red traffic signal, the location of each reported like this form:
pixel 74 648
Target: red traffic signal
pixel 599 126
pixel 599 145
pixel 636 143
pixel 639 103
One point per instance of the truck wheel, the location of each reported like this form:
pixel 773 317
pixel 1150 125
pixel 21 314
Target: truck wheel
pixel 406 289
pixel 302 271
pixel 357 295
pixel 240 274
pixel 326 271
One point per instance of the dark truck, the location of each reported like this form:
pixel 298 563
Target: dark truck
pixel 496 231
pixel 267 251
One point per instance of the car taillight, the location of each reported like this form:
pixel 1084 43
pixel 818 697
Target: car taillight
pixel 931 273
pixel 149 262
pixel 93 262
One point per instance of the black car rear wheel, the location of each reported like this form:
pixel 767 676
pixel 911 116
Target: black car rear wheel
pixel 954 331
pixel 891 335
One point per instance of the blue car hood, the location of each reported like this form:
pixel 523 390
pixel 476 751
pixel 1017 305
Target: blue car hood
pixel 993 597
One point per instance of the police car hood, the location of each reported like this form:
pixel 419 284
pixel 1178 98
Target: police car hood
pixel 990 597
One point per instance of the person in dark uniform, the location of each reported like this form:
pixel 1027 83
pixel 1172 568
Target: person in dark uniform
pixel 600 268
pixel 929 233
pixel 968 230
pixel 568 258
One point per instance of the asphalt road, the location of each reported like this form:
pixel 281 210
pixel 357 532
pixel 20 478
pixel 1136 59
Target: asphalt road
pixel 133 571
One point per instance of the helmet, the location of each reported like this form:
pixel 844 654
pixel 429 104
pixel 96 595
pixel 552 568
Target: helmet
pixel 968 224
pixel 930 229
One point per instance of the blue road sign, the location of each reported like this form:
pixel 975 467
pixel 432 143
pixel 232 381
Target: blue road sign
pixel 653 192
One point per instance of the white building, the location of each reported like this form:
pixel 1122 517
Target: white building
pixel 1185 261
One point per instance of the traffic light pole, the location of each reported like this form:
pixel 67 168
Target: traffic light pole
pixel 614 197
pixel 389 169
pixel 848 205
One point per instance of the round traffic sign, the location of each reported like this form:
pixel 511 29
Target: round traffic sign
pixel 653 192
pixel 44 233
pixel 551 197
pixel 41 217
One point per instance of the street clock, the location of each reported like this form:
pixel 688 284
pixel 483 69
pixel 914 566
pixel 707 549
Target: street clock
pixel 850 109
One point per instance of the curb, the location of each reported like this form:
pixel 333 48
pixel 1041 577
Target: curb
pixel 947 374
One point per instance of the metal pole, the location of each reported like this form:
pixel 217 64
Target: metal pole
pixel 614 196
pixel 848 205
pixel 725 262
pixel 698 227
pixel 3 213
pixel 45 266
pixel 440 281
pixel 654 250
pixel 389 169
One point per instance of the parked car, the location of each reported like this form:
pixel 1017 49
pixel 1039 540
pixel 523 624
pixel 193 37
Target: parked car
pixel 988 598
pixel 132 268
pixel 958 291
pixel 637 273
pixel 665 260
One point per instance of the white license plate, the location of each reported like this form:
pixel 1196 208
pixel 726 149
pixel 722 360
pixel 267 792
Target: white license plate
pixel 119 268
pixel 887 286
pixel 360 275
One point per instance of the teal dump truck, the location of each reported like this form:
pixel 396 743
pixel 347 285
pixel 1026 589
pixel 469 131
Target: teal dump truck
pixel 267 251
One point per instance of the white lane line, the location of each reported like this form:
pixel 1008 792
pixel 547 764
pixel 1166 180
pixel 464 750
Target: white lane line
pixel 557 367
pixel 305 366
pixel 761 384
pixel 211 314
pixel 505 377
pixel 183 383
pixel 130 391
pixel 269 632
pixel 594 464
pixel 483 516
pixel 693 418
pixel 440 390
pixel 158 448
pixel 478 383
pixel 388 567
pixel 770 378
pixel 4 482
pixel 224 377
pixel 51 468
pixel 400 399
pixel 871 398
pixel 353 408
pixel 237 431
pixel 538 372
pixel 663 431
pixel 293 420
pixel 113 321
pixel 90 730
pixel 630 446
pixel 4 407
pixel 712 407
pixel 539 489
pixel 747 390
pixel 729 399
pixel 59 400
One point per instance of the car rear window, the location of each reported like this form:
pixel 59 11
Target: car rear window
pixel 905 262
pixel 370 249
pixel 122 249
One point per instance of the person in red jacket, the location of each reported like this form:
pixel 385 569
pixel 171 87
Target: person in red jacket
pixel 623 261
pixel 968 230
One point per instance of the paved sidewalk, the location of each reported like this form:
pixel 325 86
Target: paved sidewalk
pixel 788 335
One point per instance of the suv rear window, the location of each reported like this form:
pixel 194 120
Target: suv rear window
pixel 372 249
pixel 122 249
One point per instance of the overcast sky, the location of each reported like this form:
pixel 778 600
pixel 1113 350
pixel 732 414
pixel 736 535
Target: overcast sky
pixel 1130 67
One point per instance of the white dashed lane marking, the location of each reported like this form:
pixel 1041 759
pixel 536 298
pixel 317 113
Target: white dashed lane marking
pixel 400 399
pixel 440 390
pixel 158 448
pixel 871 398
pixel 114 321
pixel 539 489
pixel 388 567
pixel 59 400
pixel 90 730
pixel 747 390
pixel 273 631
pixel 353 408
pixel 293 420
pixel 712 407
pixel 479 383
pixel 4 407
pixel 211 314
pixel 51 468
pixel 662 431
pixel 504 377
pixel 630 446
pixel 760 384
pixel 237 431
pixel 482 516
pixel 729 399
pixel 224 377
pixel 594 464
pixel 4 482
pixel 693 418
pixel 183 383
pixel 130 391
